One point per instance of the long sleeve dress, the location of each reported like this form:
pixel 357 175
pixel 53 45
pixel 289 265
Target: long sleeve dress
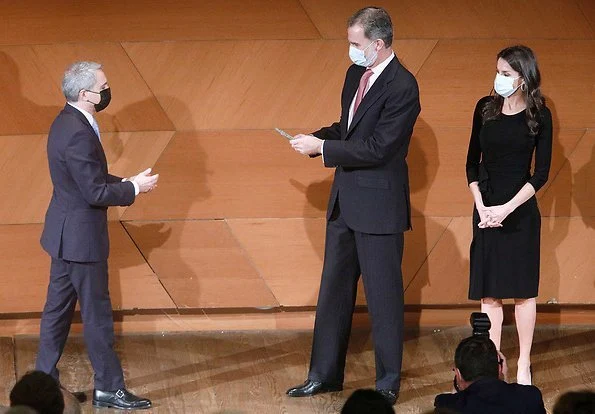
pixel 504 261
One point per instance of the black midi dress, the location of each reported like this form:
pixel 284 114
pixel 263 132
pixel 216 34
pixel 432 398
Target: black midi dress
pixel 504 261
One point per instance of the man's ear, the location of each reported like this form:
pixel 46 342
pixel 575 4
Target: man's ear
pixel 458 374
pixel 460 380
pixel 502 370
pixel 502 367
pixel 84 95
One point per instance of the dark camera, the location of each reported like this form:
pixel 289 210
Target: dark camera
pixel 480 322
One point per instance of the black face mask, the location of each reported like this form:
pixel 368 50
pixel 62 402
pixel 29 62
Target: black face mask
pixel 105 98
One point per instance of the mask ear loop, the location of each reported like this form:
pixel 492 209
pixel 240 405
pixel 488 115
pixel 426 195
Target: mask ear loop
pixel 371 43
pixel 98 93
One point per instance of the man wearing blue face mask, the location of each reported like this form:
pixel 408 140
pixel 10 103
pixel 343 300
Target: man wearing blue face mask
pixel 368 209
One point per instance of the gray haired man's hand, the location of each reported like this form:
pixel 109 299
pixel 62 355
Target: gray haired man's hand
pixel 145 181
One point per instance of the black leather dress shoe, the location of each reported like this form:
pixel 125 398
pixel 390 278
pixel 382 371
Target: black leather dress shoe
pixel 309 388
pixel 390 396
pixel 121 399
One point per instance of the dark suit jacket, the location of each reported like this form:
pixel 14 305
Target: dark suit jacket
pixel 76 220
pixel 371 177
pixel 492 396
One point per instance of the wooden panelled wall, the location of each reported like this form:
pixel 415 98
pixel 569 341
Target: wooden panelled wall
pixel 238 218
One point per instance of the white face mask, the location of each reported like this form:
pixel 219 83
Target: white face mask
pixel 503 85
pixel 359 56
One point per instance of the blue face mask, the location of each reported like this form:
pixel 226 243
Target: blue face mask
pixel 503 85
pixel 358 56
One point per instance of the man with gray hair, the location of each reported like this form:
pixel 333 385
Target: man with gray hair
pixel 368 207
pixel 75 235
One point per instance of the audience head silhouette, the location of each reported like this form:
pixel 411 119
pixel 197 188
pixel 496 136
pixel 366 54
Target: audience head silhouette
pixel 20 409
pixel 39 391
pixel 367 402
pixel 576 402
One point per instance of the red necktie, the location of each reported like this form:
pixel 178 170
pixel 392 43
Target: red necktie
pixel 361 91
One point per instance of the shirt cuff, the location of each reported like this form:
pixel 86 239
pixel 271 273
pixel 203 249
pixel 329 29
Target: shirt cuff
pixel 136 187
pixel 322 151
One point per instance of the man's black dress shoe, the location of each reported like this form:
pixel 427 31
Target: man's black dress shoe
pixel 309 388
pixel 390 396
pixel 121 399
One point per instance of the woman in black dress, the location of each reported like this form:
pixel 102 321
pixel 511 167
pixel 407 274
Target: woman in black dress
pixel 508 128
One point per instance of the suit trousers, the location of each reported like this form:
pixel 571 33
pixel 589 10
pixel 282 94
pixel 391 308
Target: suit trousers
pixel 87 282
pixel 377 258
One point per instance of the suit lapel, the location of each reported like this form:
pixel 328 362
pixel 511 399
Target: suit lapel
pixel 350 91
pixel 71 110
pixel 375 92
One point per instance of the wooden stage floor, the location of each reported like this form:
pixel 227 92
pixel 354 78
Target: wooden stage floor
pixel 248 372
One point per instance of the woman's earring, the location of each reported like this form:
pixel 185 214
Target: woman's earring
pixel 523 86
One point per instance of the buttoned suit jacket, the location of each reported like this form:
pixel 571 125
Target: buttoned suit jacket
pixel 75 226
pixel 371 179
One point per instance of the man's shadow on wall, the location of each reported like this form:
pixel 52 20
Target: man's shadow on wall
pixel 21 116
pixel 582 181
pixel 26 117
pixel 555 205
pixel 153 234
pixel 424 164
pixel 317 196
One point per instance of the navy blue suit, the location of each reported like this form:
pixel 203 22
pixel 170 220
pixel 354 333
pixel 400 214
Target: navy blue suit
pixel 367 214
pixel 492 396
pixel 75 235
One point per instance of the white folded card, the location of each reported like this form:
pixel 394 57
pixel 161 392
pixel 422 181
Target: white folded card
pixel 284 134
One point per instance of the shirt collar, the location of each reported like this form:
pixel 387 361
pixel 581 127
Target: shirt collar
pixel 87 114
pixel 378 69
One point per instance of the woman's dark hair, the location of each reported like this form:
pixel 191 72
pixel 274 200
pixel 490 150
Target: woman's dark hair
pixel 522 60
